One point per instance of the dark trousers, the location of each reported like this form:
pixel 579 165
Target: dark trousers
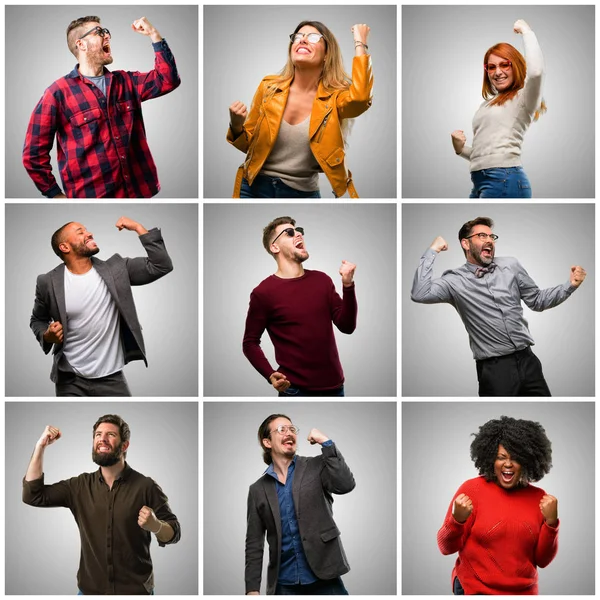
pixel 517 374
pixel 322 587
pixel 296 391
pixel 71 384
pixel 457 589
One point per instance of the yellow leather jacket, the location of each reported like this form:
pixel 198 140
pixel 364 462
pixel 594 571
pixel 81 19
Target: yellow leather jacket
pixel 326 142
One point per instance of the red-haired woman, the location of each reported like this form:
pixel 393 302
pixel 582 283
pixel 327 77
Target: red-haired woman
pixel 512 89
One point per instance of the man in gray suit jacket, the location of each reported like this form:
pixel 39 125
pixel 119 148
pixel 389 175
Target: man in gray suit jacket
pixel 292 502
pixel 84 310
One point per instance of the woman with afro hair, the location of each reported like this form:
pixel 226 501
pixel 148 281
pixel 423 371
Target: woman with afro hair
pixel 503 527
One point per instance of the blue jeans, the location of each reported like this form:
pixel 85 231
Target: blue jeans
pixel 264 186
pixel 328 587
pixel 511 182
pixel 296 391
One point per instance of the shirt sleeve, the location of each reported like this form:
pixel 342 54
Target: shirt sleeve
pixel 344 311
pixel 255 545
pixel 452 535
pixel 532 92
pixel 243 140
pixel 159 503
pixel 163 79
pixel 336 476
pixel 256 323
pixel 39 140
pixel 425 289
pixel 536 299
pixel 547 545
pixel 35 493
pixel 466 152
pixel 359 96
pixel 144 270
pixel 40 317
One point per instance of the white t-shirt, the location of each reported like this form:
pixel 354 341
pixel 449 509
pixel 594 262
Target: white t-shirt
pixel 93 343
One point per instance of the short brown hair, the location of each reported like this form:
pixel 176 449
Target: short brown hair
pixel 270 229
pixel 466 229
pixel 74 30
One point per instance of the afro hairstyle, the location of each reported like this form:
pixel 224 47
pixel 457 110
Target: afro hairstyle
pixel 526 442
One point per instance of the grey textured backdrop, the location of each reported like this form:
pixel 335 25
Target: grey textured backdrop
pixel 43 545
pixel 235 262
pixel 167 309
pixel 235 64
pixel 546 239
pixel 366 516
pixel 443 49
pixel 171 121
pixel 435 461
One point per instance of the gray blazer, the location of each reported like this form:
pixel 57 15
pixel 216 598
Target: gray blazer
pixel 119 274
pixel 315 479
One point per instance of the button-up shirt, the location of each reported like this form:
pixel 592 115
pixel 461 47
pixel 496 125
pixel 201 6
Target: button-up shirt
pixel 115 550
pixel 102 147
pixel 489 306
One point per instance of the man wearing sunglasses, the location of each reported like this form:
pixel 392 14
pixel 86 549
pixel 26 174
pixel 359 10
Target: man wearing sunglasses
pixel 487 292
pixel 306 556
pixel 96 117
pixel 297 307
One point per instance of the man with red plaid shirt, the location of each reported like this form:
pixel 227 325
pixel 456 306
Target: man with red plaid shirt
pixel 96 116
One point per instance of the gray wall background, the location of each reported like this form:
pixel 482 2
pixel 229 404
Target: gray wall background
pixel 546 239
pixel 443 49
pixel 366 516
pixel 37 55
pixel 436 437
pixel 235 262
pixel 235 63
pixel 43 545
pixel 167 309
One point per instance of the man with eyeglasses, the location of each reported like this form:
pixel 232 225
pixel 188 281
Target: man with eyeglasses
pixel 292 503
pixel 486 292
pixel 297 307
pixel 96 117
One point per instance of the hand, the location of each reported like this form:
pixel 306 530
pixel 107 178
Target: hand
pixel 549 508
pixel 54 333
pixel 144 27
pixel 253 594
pixel 577 276
pixel 130 225
pixel 237 116
pixel 360 32
pixel 439 244
pixel 462 508
pixel 50 435
pixel 458 140
pixel 147 520
pixel 61 195
pixel 521 26
pixel 279 381
pixel 347 272
pixel 316 437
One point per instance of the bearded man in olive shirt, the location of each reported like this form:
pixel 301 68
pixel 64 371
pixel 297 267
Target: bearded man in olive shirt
pixel 297 308
pixel 116 509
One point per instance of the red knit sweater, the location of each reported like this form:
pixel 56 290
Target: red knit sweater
pixel 298 314
pixel 502 542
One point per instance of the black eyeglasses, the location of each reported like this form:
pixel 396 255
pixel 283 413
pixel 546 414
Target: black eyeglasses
pixel 290 231
pixel 483 236
pixel 101 31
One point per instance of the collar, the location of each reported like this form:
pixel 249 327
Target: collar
pixel 284 86
pixel 123 476
pixel 75 74
pixel 474 268
pixel 271 469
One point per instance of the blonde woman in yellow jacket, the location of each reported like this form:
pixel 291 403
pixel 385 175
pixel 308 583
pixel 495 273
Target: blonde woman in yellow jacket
pixel 298 119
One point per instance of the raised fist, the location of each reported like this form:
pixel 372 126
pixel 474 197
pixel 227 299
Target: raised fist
pixel 521 26
pixel 50 435
pixel 458 140
pixel 439 244
pixel 237 115
pixel 462 508
pixel 549 508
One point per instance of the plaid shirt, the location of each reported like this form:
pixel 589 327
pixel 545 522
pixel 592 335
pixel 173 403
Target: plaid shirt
pixel 102 147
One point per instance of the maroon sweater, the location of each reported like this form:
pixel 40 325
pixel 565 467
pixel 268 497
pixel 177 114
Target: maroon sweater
pixel 502 542
pixel 297 313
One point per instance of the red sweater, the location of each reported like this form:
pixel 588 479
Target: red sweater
pixel 502 542
pixel 298 314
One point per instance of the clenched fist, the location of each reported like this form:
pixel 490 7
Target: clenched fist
pixel 279 381
pixel 130 225
pixel 577 276
pixel 50 435
pixel 462 508
pixel 54 333
pixel 521 26
pixel 458 140
pixel 144 27
pixel 347 272
pixel 439 244
pixel 549 508
pixel 147 520
pixel 237 116
pixel 316 437
pixel 360 32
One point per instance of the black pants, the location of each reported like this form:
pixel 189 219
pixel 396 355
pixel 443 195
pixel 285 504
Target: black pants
pixel 71 384
pixel 457 589
pixel 517 374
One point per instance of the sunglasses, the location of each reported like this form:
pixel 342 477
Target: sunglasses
pixel 290 231
pixel 504 66
pixel 101 31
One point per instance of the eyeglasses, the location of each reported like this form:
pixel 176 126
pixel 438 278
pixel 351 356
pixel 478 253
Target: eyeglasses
pixel 483 236
pixel 504 66
pixel 290 232
pixel 313 38
pixel 101 31
pixel 282 429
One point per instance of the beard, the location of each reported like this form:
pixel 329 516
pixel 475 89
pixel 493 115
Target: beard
pixel 482 260
pixel 83 250
pixel 300 255
pixel 107 459
pixel 97 58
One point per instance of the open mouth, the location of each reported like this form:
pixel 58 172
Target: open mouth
pixel 106 48
pixel 302 50
pixel 103 449
pixel 289 443
pixel 487 252
pixel 508 476
pixel 299 244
